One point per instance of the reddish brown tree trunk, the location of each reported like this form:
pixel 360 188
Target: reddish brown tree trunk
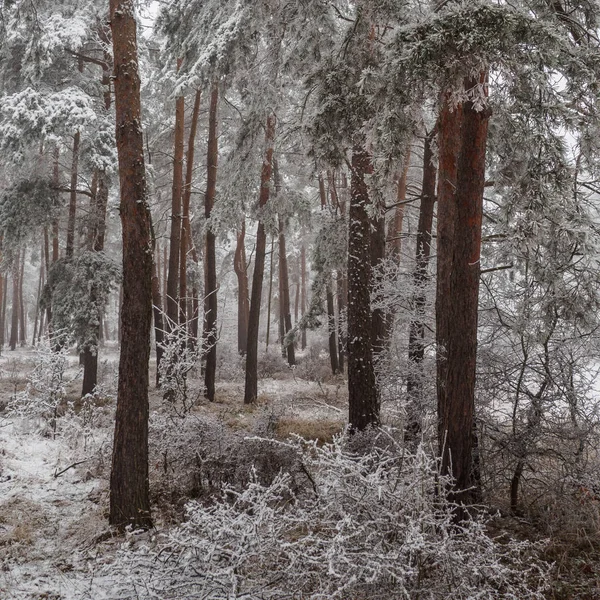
pixel 463 138
pixel 175 237
pixel 270 296
pixel 363 397
pixel 129 493
pixel 241 271
pixel 14 326
pixel 210 285
pixel 158 320
pixel 285 295
pixel 333 347
pixel 22 313
pixel 395 234
pixel 185 223
pixel 303 292
pixel 70 243
pixel 416 348
pixel 251 387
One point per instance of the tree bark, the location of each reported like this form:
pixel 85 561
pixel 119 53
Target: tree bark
pixel 129 493
pixel 342 296
pixel 303 292
pixel 363 397
pixel 70 243
pixel 175 238
pixel 241 270
pixel 251 387
pixel 97 234
pixel 458 287
pixel 398 222
pixel 270 296
pixel 37 301
pixel 378 316
pixel 22 313
pixel 210 286
pixel 158 319
pixel 285 295
pixel 185 216
pixel 14 326
pixel 333 347
pixel 416 347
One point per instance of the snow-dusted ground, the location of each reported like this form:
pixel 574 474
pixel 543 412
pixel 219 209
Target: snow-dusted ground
pixel 55 542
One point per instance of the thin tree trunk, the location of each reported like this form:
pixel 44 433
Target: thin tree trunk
pixel 97 235
pixel 70 243
pixel 165 277
pixel 241 271
pixel 342 295
pixel 37 301
pixel 270 298
pixel 363 396
pixel 462 159
pixel 3 313
pixel 22 313
pixel 129 493
pixel 158 320
pixel 14 327
pixel 297 295
pixel 333 349
pixel 416 347
pixel 285 295
pixel 210 286
pixel 395 235
pixel 303 292
pixel 378 316
pixel 175 238
pixel 185 224
pixel 251 384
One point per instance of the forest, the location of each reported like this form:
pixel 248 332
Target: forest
pixel 300 299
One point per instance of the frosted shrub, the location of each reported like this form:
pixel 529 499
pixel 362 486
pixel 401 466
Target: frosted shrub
pixel 372 526
pixel 46 386
pixel 180 357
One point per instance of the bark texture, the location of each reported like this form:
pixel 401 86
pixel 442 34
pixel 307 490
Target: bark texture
pixel 251 384
pixel 129 494
pixel 362 392
pixel 210 284
pixel 241 271
pixel 463 138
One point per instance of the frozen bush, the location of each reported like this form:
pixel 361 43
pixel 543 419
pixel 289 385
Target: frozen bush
pixel 372 526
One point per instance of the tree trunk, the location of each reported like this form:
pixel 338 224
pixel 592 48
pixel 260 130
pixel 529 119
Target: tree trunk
pixel 158 320
pixel 303 292
pixel 129 493
pixel 175 238
pixel 416 348
pixel 241 270
pixel 14 326
pixel 395 235
pixel 342 296
pixel 186 232
pixel 270 297
pixel 378 317
pixel 363 397
pixel 37 301
pixel 333 348
pixel 251 387
pixel 97 235
pixel 22 313
pixel 210 285
pixel 70 244
pixel 285 295
pixel 3 313
pixel 459 246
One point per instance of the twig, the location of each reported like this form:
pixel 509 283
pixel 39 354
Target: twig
pixel 70 467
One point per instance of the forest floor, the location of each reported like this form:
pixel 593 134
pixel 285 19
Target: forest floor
pixel 54 538
pixel 55 543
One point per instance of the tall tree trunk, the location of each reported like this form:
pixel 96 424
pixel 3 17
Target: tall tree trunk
pixel 37 300
pixel 459 244
pixel 14 326
pixel 363 396
pixel 22 313
pixel 270 297
pixel 251 387
pixel 342 296
pixel 333 347
pixel 210 285
pixel 416 348
pixel 303 292
pixel 397 223
pixel 241 270
pixel 185 216
pixel 158 319
pixel 378 316
pixel 165 277
pixel 285 295
pixel 175 238
pixel 3 312
pixel 97 235
pixel 129 493
pixel 70 243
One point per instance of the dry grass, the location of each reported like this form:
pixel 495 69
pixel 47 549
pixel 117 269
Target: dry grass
pixel 322 430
